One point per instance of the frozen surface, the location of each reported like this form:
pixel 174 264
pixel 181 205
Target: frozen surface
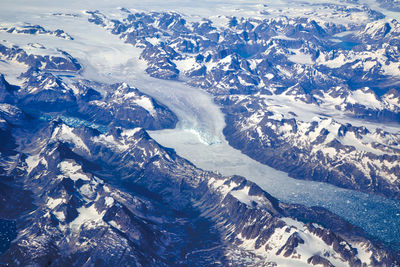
pixel 373 4
pixel 299 57
pixel 87 215
pixel 73 171
pixel 12 70
pixel 198 136
pixel 145 103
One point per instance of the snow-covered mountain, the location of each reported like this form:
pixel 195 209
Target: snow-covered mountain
pixel 120 198
pixel 320 148
pixel 36 29
pixel 298 62
pixel 309 89
pixel 43 91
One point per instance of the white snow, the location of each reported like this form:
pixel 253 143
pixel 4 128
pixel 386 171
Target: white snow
pixel 244 82
pixel 269 76
pixel 32 162
pixel 146 103
pixel 9 109
pixel 72 170
pixel 52 203
pixel 364 97
pixel 65 133
pixel 60 215
pixel 313 246
pixel 351 140
pixel 337 61
pixel 106 58
pixel 363 59
pixel 109 201
pixel 220 185
pixel 293 222
pixel 243 196
pixel 186 64
pixel 88 190
pixel 130 132
pixel 88 216
pixel 111 142
pixel 300 57
pixel 11 70
pixel 363 253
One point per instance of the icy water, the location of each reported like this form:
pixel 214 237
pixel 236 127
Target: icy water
pixel 8 232
pixel 75 122
pixel 198 136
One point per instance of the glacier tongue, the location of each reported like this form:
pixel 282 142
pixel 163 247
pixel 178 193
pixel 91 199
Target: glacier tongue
pixel 198 136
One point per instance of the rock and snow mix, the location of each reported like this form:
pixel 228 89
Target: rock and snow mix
pixel 78 205
pixel 296 92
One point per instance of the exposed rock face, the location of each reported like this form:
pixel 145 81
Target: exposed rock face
pixel 63 62
pixel 318 260
pixel 128 107
pixel 265 71
pixel 250 55
pixel 122 198
pixel 390 4
pixel 83 197
pixel 44 92
pixel 323 149
pixel 37 29
pixel 83 184
pixel 6 91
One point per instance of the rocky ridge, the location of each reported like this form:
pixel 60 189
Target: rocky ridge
pixel 119 197
pixel 298 62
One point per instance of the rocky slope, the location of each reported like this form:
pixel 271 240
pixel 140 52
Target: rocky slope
pixel 120 198
pixel 46 90
pixel 36 29
pixel 291 88
pixel 320 149
pixel 94 189
pixel 83 184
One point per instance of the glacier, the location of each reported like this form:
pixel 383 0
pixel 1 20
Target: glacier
pixel 198 136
